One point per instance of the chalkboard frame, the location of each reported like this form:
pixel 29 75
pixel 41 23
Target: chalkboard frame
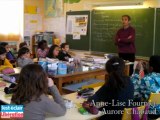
pixel 157 33
pixel 87 40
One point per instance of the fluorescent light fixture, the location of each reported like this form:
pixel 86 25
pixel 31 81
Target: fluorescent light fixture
pixel 119 7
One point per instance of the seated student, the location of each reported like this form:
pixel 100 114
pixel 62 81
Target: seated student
pixel 22 44
pixel 42 49
pixel 24 57
pixel 150 83
pixel 118 88
pixel 4 62
pixel 9 54
pixel 35 99
pixel 53 51
pixel 63 55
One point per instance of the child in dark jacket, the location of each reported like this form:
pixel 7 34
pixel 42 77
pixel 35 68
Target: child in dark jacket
pixel 9 54
pixel 63 55
pixel 116 92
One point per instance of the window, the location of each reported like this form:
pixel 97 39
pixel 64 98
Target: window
pixel 11 20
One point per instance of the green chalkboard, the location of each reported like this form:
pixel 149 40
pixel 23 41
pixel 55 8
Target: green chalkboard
pixel 84 41
pixel 157 41
pixel 105 24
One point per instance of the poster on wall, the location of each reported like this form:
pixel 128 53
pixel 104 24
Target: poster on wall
pixel 53 8
pixel 32 23
pixel 77 24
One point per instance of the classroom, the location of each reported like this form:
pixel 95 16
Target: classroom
pixel 80 60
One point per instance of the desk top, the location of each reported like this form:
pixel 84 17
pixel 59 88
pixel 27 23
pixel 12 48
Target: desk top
pixel 84 68
pixel 72 114
pixel 73 96
pixel 78 70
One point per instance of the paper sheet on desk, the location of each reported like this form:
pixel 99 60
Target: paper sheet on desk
pixel 95 66
pixel 100 60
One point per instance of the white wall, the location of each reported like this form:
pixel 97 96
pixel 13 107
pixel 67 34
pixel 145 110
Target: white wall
pixel 57 25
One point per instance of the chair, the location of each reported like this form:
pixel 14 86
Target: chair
pixel 127 115
pixel 154 98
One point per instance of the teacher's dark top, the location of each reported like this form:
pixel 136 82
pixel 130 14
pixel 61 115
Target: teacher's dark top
pixel 126 45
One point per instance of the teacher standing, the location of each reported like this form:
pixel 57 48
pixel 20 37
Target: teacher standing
pixel 125 41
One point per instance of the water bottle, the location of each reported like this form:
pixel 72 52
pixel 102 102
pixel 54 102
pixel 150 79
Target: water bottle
pixel 52 68
pixel 62 68
pixel 43 63
pixel 71 67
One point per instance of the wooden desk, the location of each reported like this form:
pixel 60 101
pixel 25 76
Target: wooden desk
pixel 60 79
pixel 77 76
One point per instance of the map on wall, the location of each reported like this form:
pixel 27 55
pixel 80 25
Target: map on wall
pixel 53 8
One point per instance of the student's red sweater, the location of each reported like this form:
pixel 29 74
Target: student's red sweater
pixel 125 44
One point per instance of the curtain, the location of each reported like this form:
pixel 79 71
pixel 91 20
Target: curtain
pixel 11 20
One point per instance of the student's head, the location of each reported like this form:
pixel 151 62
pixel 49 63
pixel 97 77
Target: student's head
pixel 24 52
pixel 32 83
pixel 42 44
pixel 2 53
pixel 53 51
pixel 22 44
pixel 154 64
pixel 115 68
pixel 65 47
pixel 6 46
pixel 126 20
